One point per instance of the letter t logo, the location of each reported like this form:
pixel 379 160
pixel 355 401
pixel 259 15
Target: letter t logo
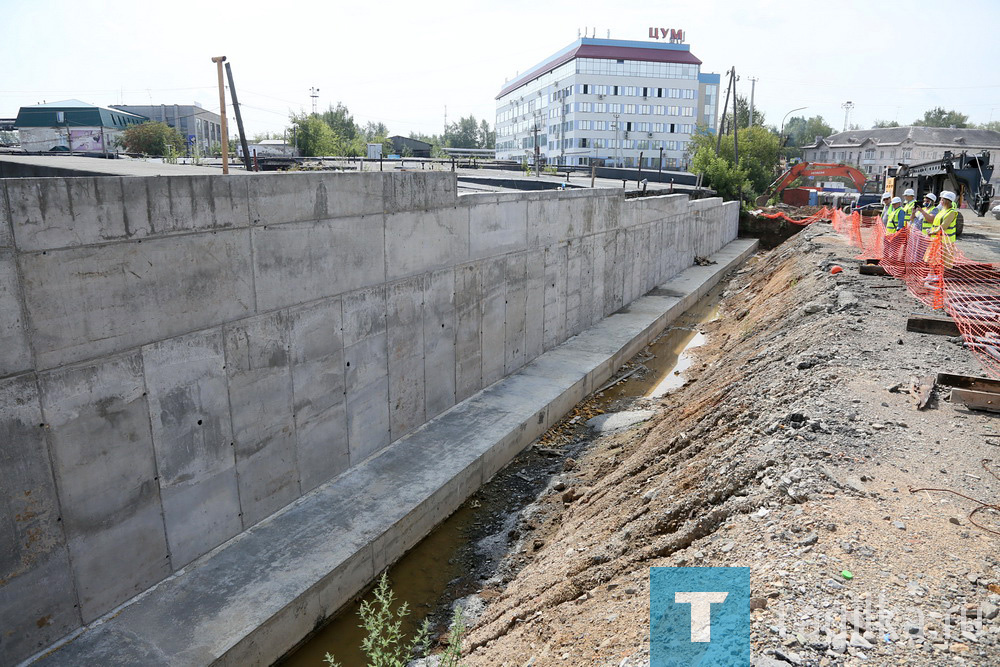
pixel 701 612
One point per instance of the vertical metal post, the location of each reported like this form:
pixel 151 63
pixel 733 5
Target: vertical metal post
pixel 593 172
pixel 736 127
pixel 218 60
pixel 239 118
pixel 722 118
pixel 661 160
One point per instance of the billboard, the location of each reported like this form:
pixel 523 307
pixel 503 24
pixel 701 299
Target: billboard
pixel 86 140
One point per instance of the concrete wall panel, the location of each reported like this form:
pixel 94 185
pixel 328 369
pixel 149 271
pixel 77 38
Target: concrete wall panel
pixel 366 372
pixel 468 328
pixel 185 203
pixel 574 277
pixel 405 327
pixel 439 342
pixel 15 353
pixel 303 261
pixel 317 350
pixel 494 314
pixel 298 197
pixel 534 306
pixel 37 596
pixel 85 302
pixel 516 278
pixel 6 235
pixel 56 212
pixel 556 269
pixel 193 440
pixel 496 227
pixel 419 241
pixel 596 253
pixel 419 191
pixel 105 469
pixel 260 397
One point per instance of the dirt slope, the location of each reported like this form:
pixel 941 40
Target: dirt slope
pixel 787 453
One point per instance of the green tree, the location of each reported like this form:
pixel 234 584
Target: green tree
pixel 463 134
pixel 487 137
pixel 314 137
pixel 801 131
pixel 341 122
pixel 879 124
pixel 742 113
pixel 759 153
pixel 993 125
pixel 152 138
pixel 938 117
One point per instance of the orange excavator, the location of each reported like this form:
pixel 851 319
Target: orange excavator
pixel 811 169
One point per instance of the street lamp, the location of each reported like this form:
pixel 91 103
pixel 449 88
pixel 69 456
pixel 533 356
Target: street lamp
pixel 781 132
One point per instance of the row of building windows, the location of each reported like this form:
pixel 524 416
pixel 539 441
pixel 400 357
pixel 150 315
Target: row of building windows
pixel 636 68
pixel 628 126
pixel 635 144
pixel 635 91
pixel 651 162
pixel 845 156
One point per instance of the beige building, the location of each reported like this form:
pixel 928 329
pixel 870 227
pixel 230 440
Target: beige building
pixel 873 150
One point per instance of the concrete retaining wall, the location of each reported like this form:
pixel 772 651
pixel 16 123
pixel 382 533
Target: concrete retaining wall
pixel 181 357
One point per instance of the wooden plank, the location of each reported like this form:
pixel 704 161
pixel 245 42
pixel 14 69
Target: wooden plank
pixel 940 325
pixel 872 270
pixel 921 389
pixel 871 260
pixel 976 400
pixel 969 382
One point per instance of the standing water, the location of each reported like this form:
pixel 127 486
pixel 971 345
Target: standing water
pixel 447 564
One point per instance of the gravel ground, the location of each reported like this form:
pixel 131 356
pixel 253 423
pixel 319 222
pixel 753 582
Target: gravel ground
pixel 791 450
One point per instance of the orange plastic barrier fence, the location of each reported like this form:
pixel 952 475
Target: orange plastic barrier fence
pixel 939 274
pixel 822 214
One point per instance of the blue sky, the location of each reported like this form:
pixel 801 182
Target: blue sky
pixel 402 62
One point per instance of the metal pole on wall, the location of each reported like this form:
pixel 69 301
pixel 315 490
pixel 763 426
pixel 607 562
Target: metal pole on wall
pixel 218 60
pixel 239 118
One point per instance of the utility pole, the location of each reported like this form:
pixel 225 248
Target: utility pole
pixel 239 119
pixel 537 152
pixel 722 116
pixel 847 106
pixel 314 94
pixel 218 60
pixel 736 125
pixel 753 88
pixel 615 116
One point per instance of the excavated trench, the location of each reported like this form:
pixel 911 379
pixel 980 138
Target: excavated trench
pixel 474 550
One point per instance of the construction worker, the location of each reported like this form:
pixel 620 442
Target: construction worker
pixel 909 203
pixel 895 216
pixel 885 206
pixel 945 221
pixel 923 216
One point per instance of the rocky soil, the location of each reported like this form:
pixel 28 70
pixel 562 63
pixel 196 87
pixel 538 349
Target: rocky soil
pixel 792 450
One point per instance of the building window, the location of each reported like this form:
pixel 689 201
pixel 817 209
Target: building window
pixel 870 155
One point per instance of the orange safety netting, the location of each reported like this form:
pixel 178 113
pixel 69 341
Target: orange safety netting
pixel 936 272
pixel 822 214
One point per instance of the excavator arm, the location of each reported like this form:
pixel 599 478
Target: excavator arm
pixel 811 169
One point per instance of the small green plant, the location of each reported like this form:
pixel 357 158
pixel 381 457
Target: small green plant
pixel 384 643
pixel 452 655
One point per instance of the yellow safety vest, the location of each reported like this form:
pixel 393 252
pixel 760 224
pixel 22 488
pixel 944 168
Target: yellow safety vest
pixel 925 224
pixel 908 208
pixel 946 221
pixel 894 221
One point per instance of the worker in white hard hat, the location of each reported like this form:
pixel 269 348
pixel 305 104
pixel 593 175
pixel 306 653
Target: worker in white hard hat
pixel 923 216
pixel 885 206
pixel 895 216
pixel 909 203
pixel 945 221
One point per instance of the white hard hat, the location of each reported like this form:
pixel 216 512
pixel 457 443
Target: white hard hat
pixel 897 200
pixel 886 195
pixel 909 193
pixel 948 194
pixel 931 196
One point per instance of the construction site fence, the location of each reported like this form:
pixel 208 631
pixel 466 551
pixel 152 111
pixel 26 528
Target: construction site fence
pixel 935 271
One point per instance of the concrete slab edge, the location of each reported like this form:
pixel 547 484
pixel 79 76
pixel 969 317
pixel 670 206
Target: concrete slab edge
pixel 285 621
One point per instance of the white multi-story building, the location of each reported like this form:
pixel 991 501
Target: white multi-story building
pixel 608 101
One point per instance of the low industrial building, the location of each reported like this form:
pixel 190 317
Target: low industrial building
pixel 269 148
pixel 608 101
pixel 408 147
pixel 199 127
pixel 72 126
pixel 874 150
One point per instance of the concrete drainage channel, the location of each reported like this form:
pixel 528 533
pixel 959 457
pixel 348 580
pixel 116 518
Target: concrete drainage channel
pixel 255 597
pixel 480 547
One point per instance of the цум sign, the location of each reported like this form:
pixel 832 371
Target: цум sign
pixel 663 33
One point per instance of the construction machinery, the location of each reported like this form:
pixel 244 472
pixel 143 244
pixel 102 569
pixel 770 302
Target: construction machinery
pixel 811 169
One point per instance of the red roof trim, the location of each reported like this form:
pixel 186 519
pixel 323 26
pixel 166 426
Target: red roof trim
pixel 607 53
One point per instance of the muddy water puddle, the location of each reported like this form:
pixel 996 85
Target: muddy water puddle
pixel 467 552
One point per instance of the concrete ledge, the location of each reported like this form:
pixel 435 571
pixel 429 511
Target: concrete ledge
pixel 253 598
